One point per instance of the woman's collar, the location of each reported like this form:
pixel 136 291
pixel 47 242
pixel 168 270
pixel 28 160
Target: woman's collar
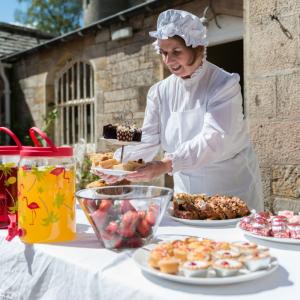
pixel 198 73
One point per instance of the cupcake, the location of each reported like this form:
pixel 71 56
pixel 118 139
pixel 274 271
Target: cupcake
pixel 244 247
pixel 169 265
pixel 198 255
pixel 197 268
pixel 221 254
pixel 257 261
pixel 124 133
pixel 155 257
pixel 180 253
pixel 227 267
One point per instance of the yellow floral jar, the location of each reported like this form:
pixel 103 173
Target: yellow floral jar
pixel 46 189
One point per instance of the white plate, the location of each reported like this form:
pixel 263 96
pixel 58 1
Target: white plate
pixel 207 223
pixel 119 143
pixel 111 171
pixel 270 238
pixel 140 257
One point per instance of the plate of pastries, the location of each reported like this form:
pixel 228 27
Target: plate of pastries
pixel 198 261
pixel 203 210
pixel 107 164
pixel 282 227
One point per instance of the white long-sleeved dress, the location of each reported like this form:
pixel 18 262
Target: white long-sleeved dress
pixel 199 124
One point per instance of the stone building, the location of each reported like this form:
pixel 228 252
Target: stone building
pixel 13 39
pixel 93 74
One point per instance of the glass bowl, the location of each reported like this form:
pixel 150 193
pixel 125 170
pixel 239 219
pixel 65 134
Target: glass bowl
pixel 125 216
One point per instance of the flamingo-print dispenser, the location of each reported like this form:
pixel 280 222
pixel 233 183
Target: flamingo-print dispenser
pixel 46 188
pixel 9 159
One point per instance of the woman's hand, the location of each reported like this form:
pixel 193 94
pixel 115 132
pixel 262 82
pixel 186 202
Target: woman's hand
pixel 150 171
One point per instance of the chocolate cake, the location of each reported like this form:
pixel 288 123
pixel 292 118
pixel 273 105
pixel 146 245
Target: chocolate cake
pixel 110 131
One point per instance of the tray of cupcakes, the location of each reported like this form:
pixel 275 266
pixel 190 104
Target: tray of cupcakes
pixel 283 227
pixel 203 210
pixel 197 261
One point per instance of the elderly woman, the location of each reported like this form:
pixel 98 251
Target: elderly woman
pixel 195 116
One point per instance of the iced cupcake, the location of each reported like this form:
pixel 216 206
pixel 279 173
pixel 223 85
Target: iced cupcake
pixel 222 254
pixel 197 268
pixel 257 261
pixel 244 247
pixel 227 267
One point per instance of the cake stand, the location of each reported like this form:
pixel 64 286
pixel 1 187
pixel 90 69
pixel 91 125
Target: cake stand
pixel 120 143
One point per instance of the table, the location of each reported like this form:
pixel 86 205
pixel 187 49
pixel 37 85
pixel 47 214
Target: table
pixel 82 270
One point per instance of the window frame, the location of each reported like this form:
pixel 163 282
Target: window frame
pixel 74 97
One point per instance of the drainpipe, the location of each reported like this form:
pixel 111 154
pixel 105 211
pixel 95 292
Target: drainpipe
pixel 6 97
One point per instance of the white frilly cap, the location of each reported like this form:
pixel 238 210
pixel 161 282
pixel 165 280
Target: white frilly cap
pixel 182 23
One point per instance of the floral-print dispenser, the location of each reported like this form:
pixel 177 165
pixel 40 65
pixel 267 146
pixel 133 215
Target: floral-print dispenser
pixel 9 158
pixel 46 188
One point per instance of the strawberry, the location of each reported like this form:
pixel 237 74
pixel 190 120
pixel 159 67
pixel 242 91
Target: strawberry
pixel 99 217
pixel 133 242
pixel 150 217
pixel 125 206
pixel 105 205
pixel 111 240
pixel 130 218
pixel 154 208
pixel 126 232
pixel 128 223
pixel 141 214
pixel 112 227
pixel 143 228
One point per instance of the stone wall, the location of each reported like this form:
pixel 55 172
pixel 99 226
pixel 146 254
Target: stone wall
pixel 272 90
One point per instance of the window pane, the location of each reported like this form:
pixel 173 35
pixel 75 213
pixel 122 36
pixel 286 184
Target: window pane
pixel 81 80
pixel 88 81
pixel 88 122
pixel 70 84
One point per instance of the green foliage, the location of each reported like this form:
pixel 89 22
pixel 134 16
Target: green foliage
pixel 54 16
pixel 48 123
pixel 85 176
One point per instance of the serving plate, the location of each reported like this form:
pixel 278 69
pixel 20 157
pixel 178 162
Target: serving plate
pixel 206 223
pixel 140 257
pixel 113 172
pixel 270 238
pixel 119 143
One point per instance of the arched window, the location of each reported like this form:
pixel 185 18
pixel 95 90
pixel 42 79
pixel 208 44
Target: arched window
pixel 74 98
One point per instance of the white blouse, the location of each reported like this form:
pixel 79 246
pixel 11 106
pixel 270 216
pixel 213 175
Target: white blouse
pixel 199 123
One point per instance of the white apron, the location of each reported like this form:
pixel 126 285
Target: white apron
pixel 236 176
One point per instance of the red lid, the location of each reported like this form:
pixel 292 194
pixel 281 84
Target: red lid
pixel 10 150
pixel 38 150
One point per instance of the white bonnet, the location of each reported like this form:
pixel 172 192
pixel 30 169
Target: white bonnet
pixel 182 23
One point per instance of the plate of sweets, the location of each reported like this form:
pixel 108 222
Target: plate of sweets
pixel 283 227
pixel 201 261
pixel 108 165
pixel 203 210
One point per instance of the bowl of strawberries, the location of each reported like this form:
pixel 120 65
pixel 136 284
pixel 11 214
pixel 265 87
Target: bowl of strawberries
pixel 125 216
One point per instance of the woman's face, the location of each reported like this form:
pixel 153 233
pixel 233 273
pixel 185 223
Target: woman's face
pixel 178 57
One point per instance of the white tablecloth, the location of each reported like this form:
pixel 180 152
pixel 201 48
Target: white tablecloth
pixel 82 270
